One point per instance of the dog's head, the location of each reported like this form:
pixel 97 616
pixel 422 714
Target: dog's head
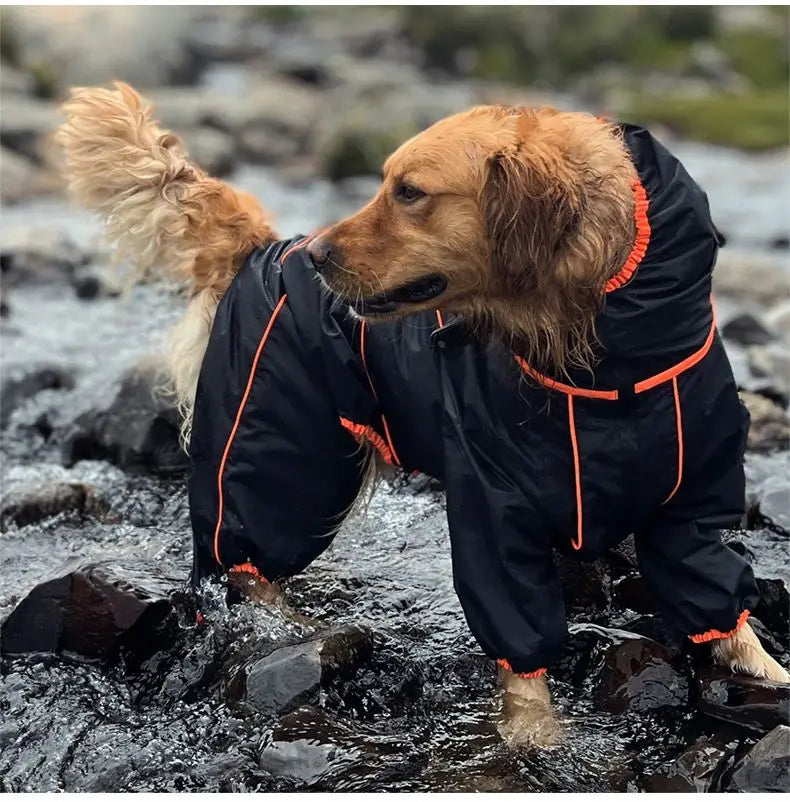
pixel 488 214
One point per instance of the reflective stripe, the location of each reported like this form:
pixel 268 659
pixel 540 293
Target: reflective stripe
pixel 577 544
pixel 239 412
pixel 679 425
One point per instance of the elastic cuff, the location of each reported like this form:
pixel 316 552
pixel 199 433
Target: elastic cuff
pixel 529 675
pixel 248 568
pixel 714 634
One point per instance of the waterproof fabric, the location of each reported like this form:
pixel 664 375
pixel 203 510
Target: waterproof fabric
pixel 291 383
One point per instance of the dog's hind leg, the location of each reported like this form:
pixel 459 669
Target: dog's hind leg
pixel 743 653
pixel 528 718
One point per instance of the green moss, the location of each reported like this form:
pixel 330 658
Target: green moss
pixel 760 56
pixel 755 121
pixel 10 50
pixel 46 80
pixel 361 150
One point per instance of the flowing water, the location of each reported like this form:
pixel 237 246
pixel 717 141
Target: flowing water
pixel 419 715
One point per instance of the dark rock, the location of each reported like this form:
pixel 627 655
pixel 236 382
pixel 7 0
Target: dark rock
pixel 768 492
pixel 655 628
pixel 638 675
pixel 773 609
pixel 746 329
pixel 16 390
pixel 30 503
pixel 303 746
pixel 36 255
pixel 289 675
pixel 88 611
pixel 780 243
pixel 139 431
pixel 87 287
pixel 753 704
pixel 586 586
pixel 767 766
pixel 697 770
pixel 632 592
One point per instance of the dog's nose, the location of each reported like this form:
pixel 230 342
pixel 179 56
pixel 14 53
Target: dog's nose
pixel 320 252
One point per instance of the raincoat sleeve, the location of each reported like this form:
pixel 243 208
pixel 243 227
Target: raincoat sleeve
pixel 274 471
pixel 503 565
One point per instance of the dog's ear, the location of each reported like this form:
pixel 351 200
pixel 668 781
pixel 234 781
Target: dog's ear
pixel 529 210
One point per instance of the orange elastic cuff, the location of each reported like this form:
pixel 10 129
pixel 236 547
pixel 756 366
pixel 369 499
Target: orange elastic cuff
pixel 714 634
pixel 530 675
pixel 372 436
pixel 248 568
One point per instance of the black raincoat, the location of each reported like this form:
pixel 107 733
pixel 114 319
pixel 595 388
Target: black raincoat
pixel 652 444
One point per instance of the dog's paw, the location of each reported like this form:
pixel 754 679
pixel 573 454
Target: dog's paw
pixel 529 723
pixel 744 654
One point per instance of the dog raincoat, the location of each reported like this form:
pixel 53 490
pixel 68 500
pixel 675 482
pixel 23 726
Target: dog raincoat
pixel 651 443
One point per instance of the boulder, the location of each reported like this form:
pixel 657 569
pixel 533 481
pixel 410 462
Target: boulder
pixel 639 675
pixel 25 124
pixel 90 611
pixel 138 431
pixel 32 254
pixel 758 280
pixel 767 766
pixel 773 609
pixel 769 429
pixel 21 179
pixel 33 502
pixel 751 704
pixel 768 491
pixel 586 586
pixel 21 386
pixel 746 329
pixel 213 150
pixel 697 770
pixel 288 675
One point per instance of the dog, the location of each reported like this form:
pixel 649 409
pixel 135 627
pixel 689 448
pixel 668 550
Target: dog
pixel 564 247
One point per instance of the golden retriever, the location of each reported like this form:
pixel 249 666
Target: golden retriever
pixel 516 217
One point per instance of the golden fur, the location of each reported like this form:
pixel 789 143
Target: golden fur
pixel 527 214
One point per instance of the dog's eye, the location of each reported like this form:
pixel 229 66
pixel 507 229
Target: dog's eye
pixel 406 193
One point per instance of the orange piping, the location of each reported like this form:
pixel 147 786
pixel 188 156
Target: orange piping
pixel 296 246
pixel 640 243
pixel 394 459
pixel 242 404
pixel 714 634
pixel 679 421
pixel 370 434
pixel 530 675
pixel 676 370
pixel 568 389
pixel 439 318
pixel 577 544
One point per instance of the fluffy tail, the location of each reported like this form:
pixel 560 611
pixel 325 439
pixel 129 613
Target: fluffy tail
pixel 164 214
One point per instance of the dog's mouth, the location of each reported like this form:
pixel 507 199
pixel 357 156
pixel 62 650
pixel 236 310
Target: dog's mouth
pixel 415 292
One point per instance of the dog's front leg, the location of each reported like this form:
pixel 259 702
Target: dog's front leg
pixel 743 653
pixel 528 718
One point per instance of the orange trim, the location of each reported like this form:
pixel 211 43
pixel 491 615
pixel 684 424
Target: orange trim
pixel 714 634
pixel 370 434
pixel 640 243
pixel 439 318
pixel 577 544
pixel 297 246
pixel 676 370
pixel 679 421
pixel 248 568
pixel 394 459
pixel 239 412
pixel 530 675
pixel 568 389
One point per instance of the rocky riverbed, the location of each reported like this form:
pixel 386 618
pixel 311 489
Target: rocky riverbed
pixel 109 684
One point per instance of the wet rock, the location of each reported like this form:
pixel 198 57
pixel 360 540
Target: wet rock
pixel 755 705
pixel 631 592
pixel 768 493
pixel 213 150
pixel 139 430
pixel 778 318
pixel 746 329
pixel 769 429
pixel 638 675
pixel 18 388
pixel 88 611
pixel 586 586
pixel 767 766
pixel 291 674
pixel 303 746
pixel 697 770
pixel 30 503
pixel 87 287
pixel 38 255
pixel 780 243
pixel 773 609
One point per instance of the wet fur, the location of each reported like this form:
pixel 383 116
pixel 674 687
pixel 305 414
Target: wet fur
pixel 529 213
